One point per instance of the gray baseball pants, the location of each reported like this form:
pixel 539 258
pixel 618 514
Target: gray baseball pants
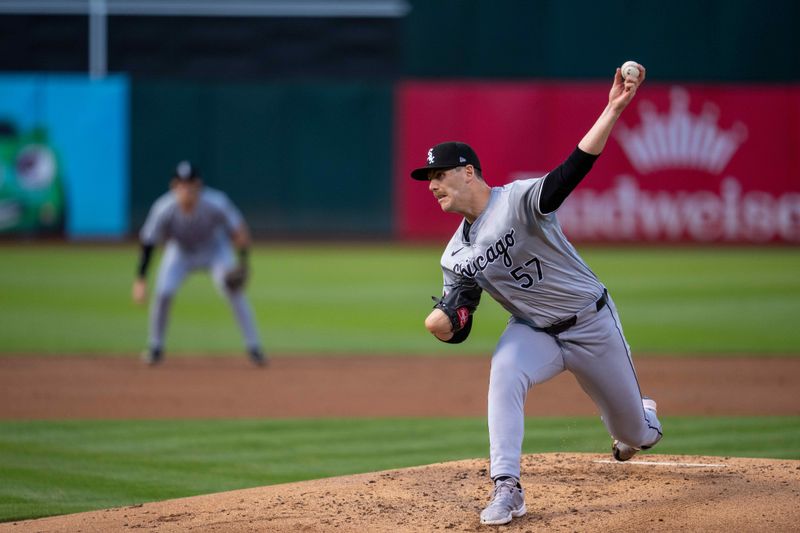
pixel 176 264
pixel 595 351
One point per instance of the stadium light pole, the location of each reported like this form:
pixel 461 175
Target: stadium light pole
pixel 98 39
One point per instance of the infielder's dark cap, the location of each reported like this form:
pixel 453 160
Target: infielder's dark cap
pixel 445 156
pixel 186 171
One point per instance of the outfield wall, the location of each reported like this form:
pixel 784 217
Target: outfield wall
pixel 687 162
pixel 299 159
pixel 64 156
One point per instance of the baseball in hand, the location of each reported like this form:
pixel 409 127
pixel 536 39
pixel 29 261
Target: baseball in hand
pixel 630 69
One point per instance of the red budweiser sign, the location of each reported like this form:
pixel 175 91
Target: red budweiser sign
pixel 686 162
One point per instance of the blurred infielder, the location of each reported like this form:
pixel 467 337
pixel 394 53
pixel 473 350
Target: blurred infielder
pixel 510 244
pixel 197 223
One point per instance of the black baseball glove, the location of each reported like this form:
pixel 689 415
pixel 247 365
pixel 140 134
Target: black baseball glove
pixel 460 303
pixel 236 279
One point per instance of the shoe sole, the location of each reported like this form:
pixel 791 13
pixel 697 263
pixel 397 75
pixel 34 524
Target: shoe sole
pixel 506 519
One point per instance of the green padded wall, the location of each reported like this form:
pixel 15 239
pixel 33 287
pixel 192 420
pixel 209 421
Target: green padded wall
pixel 300 159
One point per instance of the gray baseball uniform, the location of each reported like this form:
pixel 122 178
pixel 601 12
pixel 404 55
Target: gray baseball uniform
pixel 521 257
pixel 199 240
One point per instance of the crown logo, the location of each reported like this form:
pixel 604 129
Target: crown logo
pixel 679 139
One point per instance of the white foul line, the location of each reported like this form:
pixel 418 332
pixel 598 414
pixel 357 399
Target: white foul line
pixel 663 463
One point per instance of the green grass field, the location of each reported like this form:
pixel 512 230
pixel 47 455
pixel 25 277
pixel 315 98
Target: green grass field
pixel 338 298
pixel 335 299
pixel 64 467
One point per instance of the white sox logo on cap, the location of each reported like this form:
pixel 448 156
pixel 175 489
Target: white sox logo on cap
pixel 444 156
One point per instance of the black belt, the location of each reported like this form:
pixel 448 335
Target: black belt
pixel 563 325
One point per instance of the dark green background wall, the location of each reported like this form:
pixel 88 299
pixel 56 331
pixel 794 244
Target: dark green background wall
pixel 698 40
pixel 298 158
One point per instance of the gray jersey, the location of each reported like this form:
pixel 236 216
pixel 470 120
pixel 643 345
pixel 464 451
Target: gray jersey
pixel 521 257
pixel 212 221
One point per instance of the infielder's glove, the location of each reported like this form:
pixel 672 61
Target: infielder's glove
pixel 237 278
pixel 459 303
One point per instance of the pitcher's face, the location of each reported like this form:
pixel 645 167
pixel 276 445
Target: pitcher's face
pixel 449 188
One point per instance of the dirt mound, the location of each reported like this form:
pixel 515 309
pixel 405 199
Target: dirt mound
pixel 565 492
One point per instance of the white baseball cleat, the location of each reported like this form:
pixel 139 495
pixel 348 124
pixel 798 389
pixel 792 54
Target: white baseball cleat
pixel 623 452
pixel 620 450
pixel 508 501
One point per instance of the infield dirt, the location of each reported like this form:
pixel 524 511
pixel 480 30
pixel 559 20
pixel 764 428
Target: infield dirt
pixel 229 387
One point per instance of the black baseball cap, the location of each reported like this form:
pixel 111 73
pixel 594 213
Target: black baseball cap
pixel 445 156
pixel 186 171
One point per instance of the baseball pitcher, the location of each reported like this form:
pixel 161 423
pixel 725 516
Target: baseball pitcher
pixel 198 224
pixel 510 244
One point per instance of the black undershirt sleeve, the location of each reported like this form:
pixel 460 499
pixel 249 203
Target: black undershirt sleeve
pixel 462 334
pixel 144 260
pixel 563 179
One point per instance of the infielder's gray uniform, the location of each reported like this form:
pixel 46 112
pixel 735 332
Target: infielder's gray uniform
pixel 196 241
pixel 522 259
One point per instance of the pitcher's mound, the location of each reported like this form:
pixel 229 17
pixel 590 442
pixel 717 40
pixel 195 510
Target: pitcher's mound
pixel 565 492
